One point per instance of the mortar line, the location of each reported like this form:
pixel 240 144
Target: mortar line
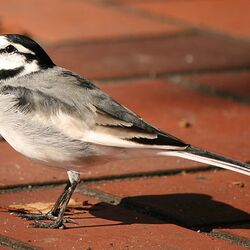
pixel 241 241
pixel 101 179
pixel 16 244
pixel 116 200
pixel 164 75
pixel 177 79
pixel 117 40
pixel 178 22
pixel 210 90
pixel 149 211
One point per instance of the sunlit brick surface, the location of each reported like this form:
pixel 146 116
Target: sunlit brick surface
pixel 182 65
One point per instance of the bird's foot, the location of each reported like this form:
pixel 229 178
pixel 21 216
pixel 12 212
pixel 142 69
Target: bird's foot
pixel 33 216
pixel 57 222
pixel 56 214
pixel 54 224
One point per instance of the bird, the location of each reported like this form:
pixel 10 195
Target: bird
pixel 59 118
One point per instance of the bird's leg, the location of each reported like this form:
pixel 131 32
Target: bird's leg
pixel 54 210
pixel 51 215
pixel 57 212
pixel 74 179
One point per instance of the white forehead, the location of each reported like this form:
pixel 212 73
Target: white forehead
pixel 4 42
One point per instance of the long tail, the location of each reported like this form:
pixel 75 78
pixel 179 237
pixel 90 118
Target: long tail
pixel 200 155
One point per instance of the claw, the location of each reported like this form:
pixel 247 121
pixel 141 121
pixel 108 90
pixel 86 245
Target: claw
pixel 68 220
pixel 54 224
pixel 48 216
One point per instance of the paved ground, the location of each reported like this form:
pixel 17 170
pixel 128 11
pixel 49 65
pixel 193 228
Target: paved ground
pixel 182 65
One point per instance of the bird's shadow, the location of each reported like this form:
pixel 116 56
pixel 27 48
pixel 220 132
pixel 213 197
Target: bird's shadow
pixel 191 210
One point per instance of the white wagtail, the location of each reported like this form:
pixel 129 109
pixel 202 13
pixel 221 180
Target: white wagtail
pixel 57 117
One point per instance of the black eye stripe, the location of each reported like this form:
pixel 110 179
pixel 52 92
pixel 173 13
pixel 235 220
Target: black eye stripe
pixel 28 57
pixel 2 51
pixel 10 49
pixel 8 73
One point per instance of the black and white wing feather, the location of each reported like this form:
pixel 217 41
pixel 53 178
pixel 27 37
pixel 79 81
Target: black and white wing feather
pixel 84 112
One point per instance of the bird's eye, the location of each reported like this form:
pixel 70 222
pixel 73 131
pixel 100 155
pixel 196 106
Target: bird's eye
pixel 10 49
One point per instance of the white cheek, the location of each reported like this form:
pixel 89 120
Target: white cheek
pixel 30 67
pixel 8 62
pixel 11 61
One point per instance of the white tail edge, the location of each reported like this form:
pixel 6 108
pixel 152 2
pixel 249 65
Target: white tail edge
pixel 206 157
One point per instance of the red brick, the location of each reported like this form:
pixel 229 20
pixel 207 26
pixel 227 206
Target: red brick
pixel 70 20
pixel 224 15
pixel 193 199
pixel 165 106
pixel 152 56
pixel 237 84
pixel 110 227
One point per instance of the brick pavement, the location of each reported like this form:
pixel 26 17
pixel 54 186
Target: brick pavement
pixel 182 65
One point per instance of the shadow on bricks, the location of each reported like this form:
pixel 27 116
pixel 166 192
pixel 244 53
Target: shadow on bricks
pixel 191 210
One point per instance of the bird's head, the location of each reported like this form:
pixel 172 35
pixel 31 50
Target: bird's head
pixel 20 55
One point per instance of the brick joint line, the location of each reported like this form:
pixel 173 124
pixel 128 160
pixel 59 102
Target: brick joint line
pixel 16 244
pixel 173 74
pixel 149 211
pixel 176 78
pixel 179 81
pixel 179 22
pixel 231 238
pixel 123 39
pixel 130 176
